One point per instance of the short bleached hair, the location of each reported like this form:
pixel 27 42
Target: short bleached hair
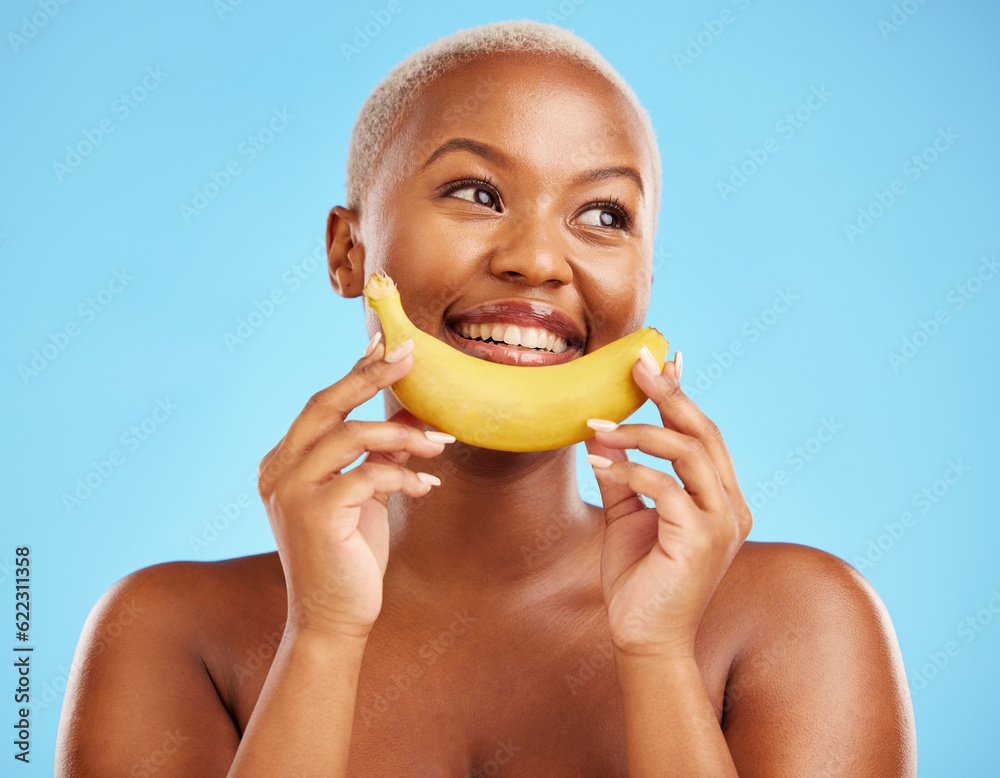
pixel 385 108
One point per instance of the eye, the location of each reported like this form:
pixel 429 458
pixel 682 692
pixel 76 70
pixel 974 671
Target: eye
pixel 473 190
pixel 600 218
pixel 606 213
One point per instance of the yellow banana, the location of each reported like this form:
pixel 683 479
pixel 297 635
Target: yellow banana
pixel 510 407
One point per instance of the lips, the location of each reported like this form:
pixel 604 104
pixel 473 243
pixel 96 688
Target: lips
pixel 522 314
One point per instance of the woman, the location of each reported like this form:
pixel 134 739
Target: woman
pixel 445 610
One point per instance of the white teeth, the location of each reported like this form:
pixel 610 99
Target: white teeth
pixel 514 335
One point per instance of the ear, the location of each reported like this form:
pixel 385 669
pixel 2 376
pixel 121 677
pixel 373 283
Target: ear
pixel 345 256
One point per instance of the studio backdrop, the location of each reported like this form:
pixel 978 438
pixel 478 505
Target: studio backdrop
pixel 827 261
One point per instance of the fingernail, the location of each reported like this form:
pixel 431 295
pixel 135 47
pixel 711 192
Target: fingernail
pixel 598 461
pixel 439 437
pixel 679 362
pixel 430 480
pixel 373 343
pixel 602 425
pixel 648 361
pixel 400 351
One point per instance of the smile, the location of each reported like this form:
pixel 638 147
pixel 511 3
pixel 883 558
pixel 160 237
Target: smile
pixel 484 346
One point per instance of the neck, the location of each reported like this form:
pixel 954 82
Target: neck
pixel 497 520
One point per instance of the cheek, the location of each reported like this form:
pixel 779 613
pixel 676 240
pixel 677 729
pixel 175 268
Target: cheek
pixel 624 299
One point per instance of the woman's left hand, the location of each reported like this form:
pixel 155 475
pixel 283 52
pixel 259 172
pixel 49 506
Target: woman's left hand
pixel 661 565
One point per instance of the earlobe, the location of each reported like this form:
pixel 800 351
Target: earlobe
pixel 345 256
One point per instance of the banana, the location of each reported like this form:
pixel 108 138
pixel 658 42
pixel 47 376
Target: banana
pixel 510 407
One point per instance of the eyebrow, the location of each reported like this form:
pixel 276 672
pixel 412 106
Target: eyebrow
pixel 604 173
pixel 499 158
pixel 466 144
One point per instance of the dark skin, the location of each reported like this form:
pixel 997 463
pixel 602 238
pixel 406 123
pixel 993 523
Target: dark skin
pixel 458 647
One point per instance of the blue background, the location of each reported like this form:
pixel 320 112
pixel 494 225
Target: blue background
pixel 722 259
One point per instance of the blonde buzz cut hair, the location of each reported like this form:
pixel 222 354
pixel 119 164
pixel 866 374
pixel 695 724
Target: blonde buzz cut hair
pixel 384 110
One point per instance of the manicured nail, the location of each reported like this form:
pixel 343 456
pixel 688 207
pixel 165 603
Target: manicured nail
pixel 679 364
pixel 373 343
pixel 648 361
pixel 598 461
pixel 400 351
pixel 439 437
pixel 602 425
pixel 430 480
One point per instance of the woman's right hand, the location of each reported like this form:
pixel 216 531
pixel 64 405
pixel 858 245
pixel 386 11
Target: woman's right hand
pixel 332 527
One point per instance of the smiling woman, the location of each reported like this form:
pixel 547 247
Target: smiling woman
pixel 479 616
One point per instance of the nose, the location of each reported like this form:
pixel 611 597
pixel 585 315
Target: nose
pixel 534 252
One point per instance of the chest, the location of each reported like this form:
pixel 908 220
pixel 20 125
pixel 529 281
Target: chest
pixel 460 700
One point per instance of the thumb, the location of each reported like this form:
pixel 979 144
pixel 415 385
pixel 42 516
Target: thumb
pixel 619 500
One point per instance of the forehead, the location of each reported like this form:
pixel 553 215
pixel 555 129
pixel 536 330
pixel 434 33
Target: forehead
pixel 544 111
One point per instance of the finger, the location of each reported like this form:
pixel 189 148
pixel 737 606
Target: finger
pixel 339 447
pixel 330 407
pixel 674 505
pixel 356 487
pixel 403 416
pixel 690 459
pixel 679 412
pixel 616 496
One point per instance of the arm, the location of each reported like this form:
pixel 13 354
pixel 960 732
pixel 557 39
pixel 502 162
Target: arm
pixel 824 691
pixel 144 696
pixel 818 690
pixel 139 701
pixel 670 726
pixel 835 700
pixel 303 717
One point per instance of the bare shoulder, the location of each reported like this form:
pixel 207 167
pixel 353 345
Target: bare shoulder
pixel 783 572
pixel 192 603
pixel 141 686
pixel 817 685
